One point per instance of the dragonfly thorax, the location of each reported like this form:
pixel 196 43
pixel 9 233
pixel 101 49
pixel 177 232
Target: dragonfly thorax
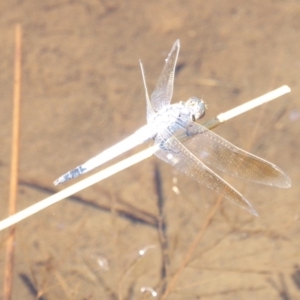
pixel 175 116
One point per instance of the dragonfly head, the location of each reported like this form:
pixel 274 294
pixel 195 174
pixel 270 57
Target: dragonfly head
pixel 197 107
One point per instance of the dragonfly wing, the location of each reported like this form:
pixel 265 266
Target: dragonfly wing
pixel 177 155
pixel 163 91
pixel 221 154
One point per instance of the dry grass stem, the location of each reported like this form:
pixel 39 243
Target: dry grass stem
pixel 8 272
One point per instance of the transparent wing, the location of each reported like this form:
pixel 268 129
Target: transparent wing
pixel 219 153
pixel 177 155
pixel 163 91
pixel 150 110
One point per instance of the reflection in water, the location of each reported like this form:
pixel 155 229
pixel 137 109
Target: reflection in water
pixel 150 290
pixel 145 249
pixel 103 263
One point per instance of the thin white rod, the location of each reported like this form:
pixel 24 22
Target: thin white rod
pixel 126 163
pixel 253 103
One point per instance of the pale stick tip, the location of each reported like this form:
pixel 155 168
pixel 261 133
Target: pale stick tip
pixel 254 103
pixel 286 88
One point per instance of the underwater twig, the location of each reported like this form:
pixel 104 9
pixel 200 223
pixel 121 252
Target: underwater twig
pixel 165 266
pixel 192 248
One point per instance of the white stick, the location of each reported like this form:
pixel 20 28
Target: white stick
pixel 253 103
pixel 126 163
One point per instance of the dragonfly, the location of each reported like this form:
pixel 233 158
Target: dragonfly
pixel 188 146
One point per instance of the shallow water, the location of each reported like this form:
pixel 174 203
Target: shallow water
pixel 82 92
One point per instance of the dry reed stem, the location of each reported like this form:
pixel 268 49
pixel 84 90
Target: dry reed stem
pixel 8 271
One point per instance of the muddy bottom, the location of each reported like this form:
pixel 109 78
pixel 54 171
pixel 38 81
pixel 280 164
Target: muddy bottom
pixel 149 231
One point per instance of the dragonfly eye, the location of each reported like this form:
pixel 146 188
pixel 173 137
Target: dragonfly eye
pixel 198 107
